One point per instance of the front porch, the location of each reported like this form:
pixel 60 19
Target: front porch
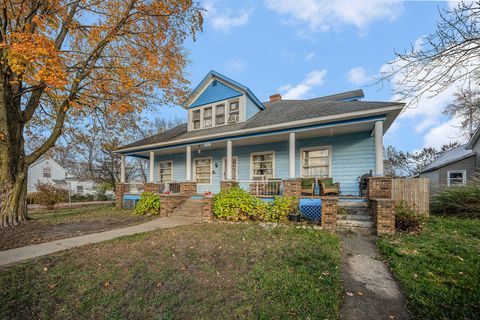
pixel 260 164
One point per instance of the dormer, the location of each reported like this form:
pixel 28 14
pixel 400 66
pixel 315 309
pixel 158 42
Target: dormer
pixel 220 101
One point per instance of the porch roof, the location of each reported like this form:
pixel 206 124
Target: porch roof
pixel 278 115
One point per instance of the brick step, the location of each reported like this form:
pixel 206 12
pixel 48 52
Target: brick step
pixel 357 211
pixel 357 217
pixel 355 223
pixel 355 204
pixel 360 230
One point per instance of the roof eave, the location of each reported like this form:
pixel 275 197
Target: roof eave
pixel 447 163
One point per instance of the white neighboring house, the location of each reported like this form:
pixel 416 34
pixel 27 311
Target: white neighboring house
pixel 47 170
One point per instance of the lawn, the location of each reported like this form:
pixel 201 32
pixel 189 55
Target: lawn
pixel 203 271
pixel 439 269
pixel 64 223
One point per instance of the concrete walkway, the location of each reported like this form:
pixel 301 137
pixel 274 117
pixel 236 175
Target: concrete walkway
pixel 19 254
pixel 371 292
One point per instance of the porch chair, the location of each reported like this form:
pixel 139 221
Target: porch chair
pixel 308 186
pixel 327 187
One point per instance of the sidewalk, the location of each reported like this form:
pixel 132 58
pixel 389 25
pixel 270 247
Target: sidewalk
pixel 371 292
pixel 19 254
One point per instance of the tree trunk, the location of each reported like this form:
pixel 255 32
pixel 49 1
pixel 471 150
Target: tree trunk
pixel 13 168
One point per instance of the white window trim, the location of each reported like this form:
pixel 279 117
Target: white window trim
pixel 195 171
pixel 224 169
pixel 464 176
pixel 260 153
pixel 158 169
pixel 241 113
pixel 330 157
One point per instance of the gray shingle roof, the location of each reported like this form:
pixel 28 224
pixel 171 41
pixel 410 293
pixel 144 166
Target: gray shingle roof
pixel 448 157
pixel 276 112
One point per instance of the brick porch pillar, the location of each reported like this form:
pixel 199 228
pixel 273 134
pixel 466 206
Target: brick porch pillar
pixel 329 213
pixel 151 187
pixel 120 190
pixel 188 188
pixel 292 187
pixel 383 211
pixel 207 209
pixel 228 184
pixel 379 187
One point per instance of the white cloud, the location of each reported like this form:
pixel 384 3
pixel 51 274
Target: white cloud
pixel 321 15
pixel 309 56
pixel 358 76
pixel 444 133
pixel 227 18
pixel 301 90
pixel 236 65
pixel 453 4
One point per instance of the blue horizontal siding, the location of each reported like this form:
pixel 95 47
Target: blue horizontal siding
pixel 216 91
pixel 352 156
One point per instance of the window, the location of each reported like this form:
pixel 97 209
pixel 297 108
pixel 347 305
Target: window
pixel 233 111
pixel 203 170
pixel 80 189
pixel 234 168
pixel 220 114
pixel 457 177
pixel 165 171
pixel 47 172
pixel 262 166
pixel 196 119
pixel 316 162
pixel 207 117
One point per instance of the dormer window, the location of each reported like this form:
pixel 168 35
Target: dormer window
pixel 234 111
pixel 207 117
pixel 220 114
pixel 196 119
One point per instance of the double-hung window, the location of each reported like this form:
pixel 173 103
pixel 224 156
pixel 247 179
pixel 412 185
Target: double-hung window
pixel 196 119
pixel 207 117
pixel 79 189
pixel 233 111
pixel 165 171
pixel 316 162
pixel 262 165
pixel 47 172
pixel 203 170
pixel 456 177
pixel 220 114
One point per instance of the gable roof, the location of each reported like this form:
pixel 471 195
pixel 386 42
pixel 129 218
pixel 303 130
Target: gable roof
pixel 474 138
pixel 448 157
pixel 215 75
pixel 280 112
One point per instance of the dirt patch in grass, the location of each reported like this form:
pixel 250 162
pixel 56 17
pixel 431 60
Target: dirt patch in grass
pixel 66 223
pixel 438 268
pixel 205 271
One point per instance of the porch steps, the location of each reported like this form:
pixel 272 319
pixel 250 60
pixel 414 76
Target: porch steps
pixel 354 216
pixel 191 209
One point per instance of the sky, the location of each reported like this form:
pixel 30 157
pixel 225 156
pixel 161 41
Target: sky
pixel 309 48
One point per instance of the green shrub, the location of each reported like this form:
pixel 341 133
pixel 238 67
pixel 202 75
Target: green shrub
pixel 82 198
pixel 236 204
pixel 149 204
pixel 48 194
pixel 461 201
pixel 406 218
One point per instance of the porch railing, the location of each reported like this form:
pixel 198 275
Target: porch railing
pixel 134 188
pixel 272 187
pixel 162 187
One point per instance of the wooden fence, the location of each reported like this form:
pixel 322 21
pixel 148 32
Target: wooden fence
pixel 415 191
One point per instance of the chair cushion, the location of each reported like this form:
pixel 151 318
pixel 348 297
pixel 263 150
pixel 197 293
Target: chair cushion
pixel 328 182
pixel 307 183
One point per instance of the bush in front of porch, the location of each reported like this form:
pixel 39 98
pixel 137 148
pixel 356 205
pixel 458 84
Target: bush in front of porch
pixel 149 204
pixel 235 204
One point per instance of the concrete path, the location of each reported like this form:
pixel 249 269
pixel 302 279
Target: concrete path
pixel 371 292
pixel 19 254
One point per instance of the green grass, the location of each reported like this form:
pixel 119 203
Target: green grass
pixel 439 269
pixel 71 214
pixel 205 271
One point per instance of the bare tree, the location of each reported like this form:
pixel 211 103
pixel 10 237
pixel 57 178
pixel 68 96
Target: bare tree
pixel 466 106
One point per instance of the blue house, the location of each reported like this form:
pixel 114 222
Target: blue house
pixel 231 135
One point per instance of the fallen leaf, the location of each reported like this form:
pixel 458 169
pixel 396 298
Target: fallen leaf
pixel 53 285
pixel 45 269
pixel 349 294
pixel 106 284
pixel 360 293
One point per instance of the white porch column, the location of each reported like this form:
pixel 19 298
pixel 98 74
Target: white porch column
pixel 291 155
pixel 379 148
pixel 188 164
pixel 151 165
pixel 229 160
pixel 122 169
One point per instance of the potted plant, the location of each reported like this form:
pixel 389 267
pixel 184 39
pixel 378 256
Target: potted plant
pixel 168 193
pixel 294 215
pixel 208 194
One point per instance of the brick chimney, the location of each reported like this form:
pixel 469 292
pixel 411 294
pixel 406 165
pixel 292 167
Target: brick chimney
pixel 275 97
